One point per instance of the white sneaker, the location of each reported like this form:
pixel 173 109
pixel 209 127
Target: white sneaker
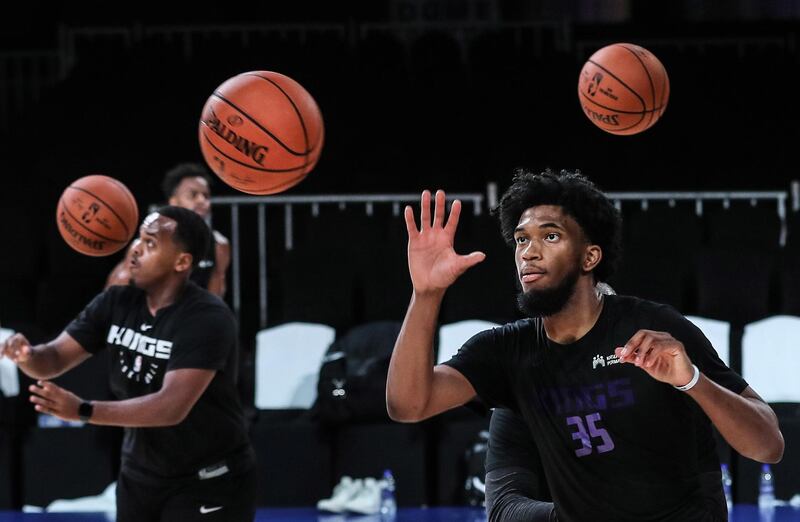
pixel 367 501
pixel 346 489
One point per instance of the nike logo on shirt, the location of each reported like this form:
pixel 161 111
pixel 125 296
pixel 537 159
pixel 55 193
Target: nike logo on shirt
pixel 206 510
pixel 145 327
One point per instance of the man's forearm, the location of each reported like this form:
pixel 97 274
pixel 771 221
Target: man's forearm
pixel 409 382
pixel 509 497
pixel 747 423
pixel 44 363
pixel 147 411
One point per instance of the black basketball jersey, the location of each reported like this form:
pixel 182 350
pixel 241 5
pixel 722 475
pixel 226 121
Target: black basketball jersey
pixel 197 331
pixel 616 445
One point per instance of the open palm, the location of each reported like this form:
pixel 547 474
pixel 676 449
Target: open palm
pixel 433 263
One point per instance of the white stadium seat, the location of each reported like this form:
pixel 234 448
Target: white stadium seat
pixel 771 358
pixel 9 379
pixel 288 359
pixel 718 332
pixel 453 336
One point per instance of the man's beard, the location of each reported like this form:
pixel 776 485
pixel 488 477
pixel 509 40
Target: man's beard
pixel 548 301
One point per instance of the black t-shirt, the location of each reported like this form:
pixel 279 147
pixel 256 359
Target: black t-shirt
pixel 197 331
pixel 616 444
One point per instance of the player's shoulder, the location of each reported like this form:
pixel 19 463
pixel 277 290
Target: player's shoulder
pixel 509 333
pixel 122 294
pixel 197 299
pixel 519 326
pixel 645 313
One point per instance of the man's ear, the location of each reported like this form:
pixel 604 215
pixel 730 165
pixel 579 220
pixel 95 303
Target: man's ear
pixel 591 257
pixel 184 262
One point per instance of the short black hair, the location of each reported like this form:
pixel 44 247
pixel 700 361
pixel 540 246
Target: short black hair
pixel 597 216
pixel 176 174
pixel 191 234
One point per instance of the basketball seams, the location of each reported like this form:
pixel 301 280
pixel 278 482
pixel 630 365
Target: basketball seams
pixel 612 109
pixel 300 176
pixel 641 100
pixel 649 79
pixel 603 116
pixel 109 207
pixel 261 169
pixel 275 125
pixel 219 96
pixel 294 106
pixel 276 188
pixel 641 114
pixel 128 195
pixel 65 208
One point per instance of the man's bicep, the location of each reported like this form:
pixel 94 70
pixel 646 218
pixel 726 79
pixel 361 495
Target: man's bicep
pixel 449 390
pixel 185 386
pixel 223 255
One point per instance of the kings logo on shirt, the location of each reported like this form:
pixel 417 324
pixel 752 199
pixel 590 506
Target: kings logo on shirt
pixel 139 347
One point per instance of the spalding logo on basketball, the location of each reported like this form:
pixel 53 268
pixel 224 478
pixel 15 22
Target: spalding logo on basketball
pixel 97 215
pixel 261 132
pixel 623 89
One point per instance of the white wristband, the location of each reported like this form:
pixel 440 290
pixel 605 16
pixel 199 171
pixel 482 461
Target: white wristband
pixel 690 385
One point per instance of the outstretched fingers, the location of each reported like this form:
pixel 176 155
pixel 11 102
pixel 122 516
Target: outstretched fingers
pixel 425 211
pixel 411 225
pixel 439 208
pixel 440 218
pixel 452 221
pixel 470 260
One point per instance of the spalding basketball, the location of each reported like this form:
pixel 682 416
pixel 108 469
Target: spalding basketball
pixel 623 88
pixel 261 132
pixel 97 215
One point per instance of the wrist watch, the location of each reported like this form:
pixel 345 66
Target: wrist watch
pixel 85 411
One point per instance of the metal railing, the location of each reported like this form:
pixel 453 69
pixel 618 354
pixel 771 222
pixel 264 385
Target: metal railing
pixel 288 203
pixel 475 200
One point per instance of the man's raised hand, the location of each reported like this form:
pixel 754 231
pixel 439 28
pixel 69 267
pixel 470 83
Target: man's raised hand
pixel 432 262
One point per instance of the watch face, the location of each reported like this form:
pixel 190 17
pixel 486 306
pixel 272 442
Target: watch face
pixel 85 411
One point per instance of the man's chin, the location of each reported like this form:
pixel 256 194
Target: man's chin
pixel 535 303
pixel 544 302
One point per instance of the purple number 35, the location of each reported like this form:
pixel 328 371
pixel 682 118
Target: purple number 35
pixel 586 437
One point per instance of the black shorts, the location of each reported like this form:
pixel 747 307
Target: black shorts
pixel 228 498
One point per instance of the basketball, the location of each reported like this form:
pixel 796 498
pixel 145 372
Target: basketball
pixel 97 215
pixel 261 132
pixel 623 89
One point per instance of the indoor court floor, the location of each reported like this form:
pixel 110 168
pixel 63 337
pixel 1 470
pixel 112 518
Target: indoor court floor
pixel 741 513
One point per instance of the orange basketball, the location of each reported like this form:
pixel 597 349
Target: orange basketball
pixel 261 132
pixel 623 88
pixel 97 215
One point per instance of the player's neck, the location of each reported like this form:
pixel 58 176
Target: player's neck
pixel 165 294
pixel 578 316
